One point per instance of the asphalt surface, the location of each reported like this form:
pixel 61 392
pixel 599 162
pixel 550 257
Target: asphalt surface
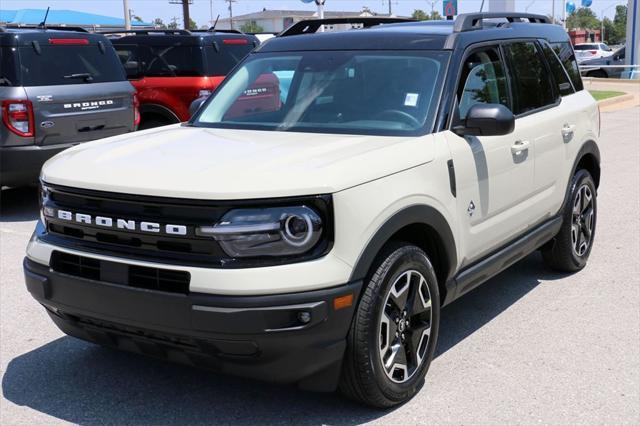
pixel 530 346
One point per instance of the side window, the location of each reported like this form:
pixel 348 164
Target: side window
pixel 530 82
pixel 557 69
pixel 568 58
pixel 483 81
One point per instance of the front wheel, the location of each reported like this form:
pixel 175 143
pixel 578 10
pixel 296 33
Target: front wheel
pixel 570 249
pixel 393 335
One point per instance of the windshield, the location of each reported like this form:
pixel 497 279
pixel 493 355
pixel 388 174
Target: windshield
pixel 371 92
pixel 59 65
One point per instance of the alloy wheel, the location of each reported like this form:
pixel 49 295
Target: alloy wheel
pixel 405 326
pixel 582 220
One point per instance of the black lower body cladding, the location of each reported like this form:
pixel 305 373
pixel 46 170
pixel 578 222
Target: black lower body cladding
pixel 20 165
pixel 291 338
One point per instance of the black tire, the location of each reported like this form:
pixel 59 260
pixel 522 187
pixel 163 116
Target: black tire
pixel 597 74
pixel 566 252
pixel 364 378
pixel 150 124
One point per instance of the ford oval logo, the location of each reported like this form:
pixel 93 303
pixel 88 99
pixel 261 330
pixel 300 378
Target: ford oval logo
pixel 47 124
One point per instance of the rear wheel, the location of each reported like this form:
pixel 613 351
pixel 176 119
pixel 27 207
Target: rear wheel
pixel 571 248
pixel 597 74
pixel 393 335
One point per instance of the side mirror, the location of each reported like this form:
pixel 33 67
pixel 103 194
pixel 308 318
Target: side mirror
pixel 195 105
pixel 487 120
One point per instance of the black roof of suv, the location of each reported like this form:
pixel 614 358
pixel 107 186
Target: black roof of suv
pixel 419 35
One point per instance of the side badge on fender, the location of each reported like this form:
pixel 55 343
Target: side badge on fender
pixel 471 208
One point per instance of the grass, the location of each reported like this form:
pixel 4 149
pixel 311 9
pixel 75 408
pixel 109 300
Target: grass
pixel 604 94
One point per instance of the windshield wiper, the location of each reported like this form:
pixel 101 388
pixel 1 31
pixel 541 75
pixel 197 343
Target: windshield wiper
pixel 83 75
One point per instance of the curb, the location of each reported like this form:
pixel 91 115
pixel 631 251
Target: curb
pixel 616 100
pixel 610 80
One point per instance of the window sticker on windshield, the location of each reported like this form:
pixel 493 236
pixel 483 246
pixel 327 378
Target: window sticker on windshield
pixel 411 99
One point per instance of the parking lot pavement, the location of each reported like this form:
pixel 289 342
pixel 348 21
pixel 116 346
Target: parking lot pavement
pixel 530 346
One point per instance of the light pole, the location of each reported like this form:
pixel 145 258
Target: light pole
pixel 320 4
pixel 602 21
pixel 127 18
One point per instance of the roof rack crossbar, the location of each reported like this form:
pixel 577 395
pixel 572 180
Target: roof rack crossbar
pixel 46 27
pixel 473 21
pixel 148 31
pixel 310 26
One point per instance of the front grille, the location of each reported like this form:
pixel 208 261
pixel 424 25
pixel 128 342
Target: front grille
pixel 164 280
pixel 189 249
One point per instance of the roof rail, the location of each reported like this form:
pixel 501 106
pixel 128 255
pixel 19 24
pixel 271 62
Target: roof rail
pixel 310 26
pixel 147 32
pixel 473 21
pixel 46 27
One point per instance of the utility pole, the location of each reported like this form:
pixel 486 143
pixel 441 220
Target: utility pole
pixel 390 10
pixel 320 4
pixel 127 18
pixel 185 14
pixel 230 12
pixel 210 13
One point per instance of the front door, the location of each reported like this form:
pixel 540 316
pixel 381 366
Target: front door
pixel 494 174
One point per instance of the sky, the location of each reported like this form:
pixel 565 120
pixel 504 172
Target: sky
pixel 148 10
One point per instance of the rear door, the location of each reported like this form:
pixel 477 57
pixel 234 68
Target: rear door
pixel 78 90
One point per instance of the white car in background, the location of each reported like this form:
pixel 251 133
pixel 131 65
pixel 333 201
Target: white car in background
pixel 586 51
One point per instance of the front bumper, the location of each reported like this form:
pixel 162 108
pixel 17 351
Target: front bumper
pixel 254 336
pixel 20 165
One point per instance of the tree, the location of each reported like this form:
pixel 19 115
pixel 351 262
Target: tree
pixel 159 23
pixel 620 24
pixel 251 27
pixel 435 16
pixel 420 15
pixel 583 18
pixel 192 24
pixel 173 25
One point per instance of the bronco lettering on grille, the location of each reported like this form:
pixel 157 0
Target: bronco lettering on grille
pixel 123 224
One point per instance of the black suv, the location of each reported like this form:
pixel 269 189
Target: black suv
pixel 171 68
pixel 58 87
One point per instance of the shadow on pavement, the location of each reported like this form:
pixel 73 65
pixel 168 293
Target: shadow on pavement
pixel 82 383
pixel 19 204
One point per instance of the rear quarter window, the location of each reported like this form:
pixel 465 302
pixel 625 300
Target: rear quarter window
pixel 560 76
pixel 57 65
pixel 567 57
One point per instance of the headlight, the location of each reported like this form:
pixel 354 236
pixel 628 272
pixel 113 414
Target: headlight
pixel 276 231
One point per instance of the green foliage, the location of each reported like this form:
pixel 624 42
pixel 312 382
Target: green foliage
pixel 583 18
pixel 421 15
pixel 192 24
pixel 251 27
pixel 159 23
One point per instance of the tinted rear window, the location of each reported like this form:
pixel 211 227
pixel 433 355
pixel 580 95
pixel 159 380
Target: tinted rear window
pixel 173 60
pixel 222 61
pixel 61 65
pixel 586 47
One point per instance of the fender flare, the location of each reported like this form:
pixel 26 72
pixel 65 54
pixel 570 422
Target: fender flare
pixel 589 147
pixel 160 110
pixel 416 214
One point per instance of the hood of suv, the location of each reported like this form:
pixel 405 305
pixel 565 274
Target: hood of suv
pixel 202 163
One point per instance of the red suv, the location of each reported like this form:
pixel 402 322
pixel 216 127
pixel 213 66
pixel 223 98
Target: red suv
pixel 171 68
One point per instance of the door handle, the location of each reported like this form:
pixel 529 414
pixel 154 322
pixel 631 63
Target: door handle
pixel 519 146
pixel 568 129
